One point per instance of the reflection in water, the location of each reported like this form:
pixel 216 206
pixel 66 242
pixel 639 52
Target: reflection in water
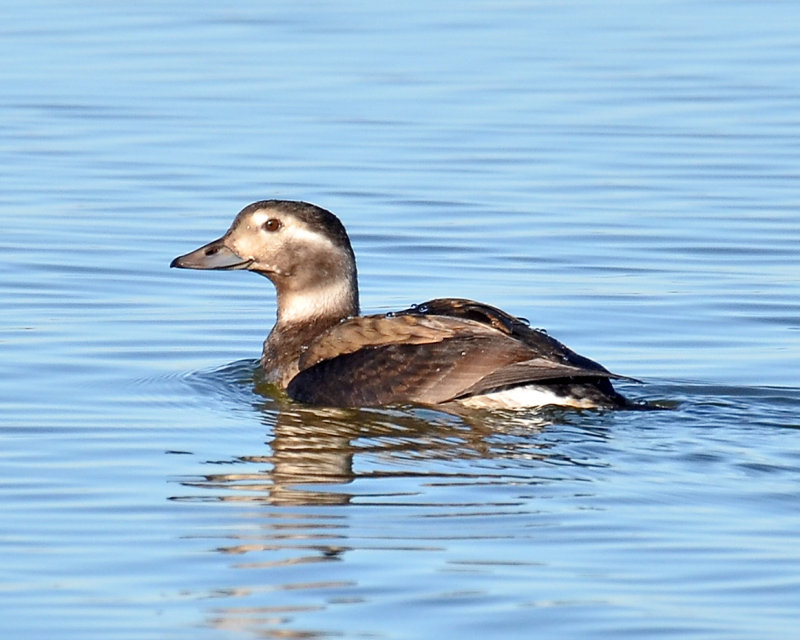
pixel 312 448
pixel 378 463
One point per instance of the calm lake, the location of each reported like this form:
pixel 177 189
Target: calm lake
pixel 623 174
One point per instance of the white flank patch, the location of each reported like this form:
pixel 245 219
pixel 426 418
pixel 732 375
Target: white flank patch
pixel 524 397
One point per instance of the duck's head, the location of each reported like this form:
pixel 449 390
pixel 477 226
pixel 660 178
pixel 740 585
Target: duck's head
pixel 303 249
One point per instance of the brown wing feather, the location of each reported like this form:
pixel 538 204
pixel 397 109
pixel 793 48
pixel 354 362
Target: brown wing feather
pixel 378 331
pixel 541 344
pixel 396 373
pixel 375 360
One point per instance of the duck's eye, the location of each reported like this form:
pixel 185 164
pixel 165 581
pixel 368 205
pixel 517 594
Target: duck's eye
pixel 273 224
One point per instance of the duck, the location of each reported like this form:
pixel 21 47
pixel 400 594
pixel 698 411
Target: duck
pixel 442 352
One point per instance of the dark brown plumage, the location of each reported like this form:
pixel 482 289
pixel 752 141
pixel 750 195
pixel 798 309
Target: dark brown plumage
pixel 442 351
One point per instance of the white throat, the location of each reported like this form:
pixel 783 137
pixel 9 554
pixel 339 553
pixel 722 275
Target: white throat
pixel 330 299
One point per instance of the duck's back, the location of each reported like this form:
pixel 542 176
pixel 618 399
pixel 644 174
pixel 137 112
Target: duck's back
pixel 447 350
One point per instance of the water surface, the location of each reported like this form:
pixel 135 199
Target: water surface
pixel 624 177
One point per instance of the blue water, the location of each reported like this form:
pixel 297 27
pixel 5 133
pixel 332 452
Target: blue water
pixel 623 174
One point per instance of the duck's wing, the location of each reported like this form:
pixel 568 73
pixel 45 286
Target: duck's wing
pixel 518 328
pixel 421 358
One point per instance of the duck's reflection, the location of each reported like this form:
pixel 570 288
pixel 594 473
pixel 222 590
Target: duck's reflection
pixel 310 454
pixel 303 458
pixel 391 468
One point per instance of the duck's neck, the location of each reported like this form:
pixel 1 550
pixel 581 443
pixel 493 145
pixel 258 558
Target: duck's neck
pixel 330 301
pixel 302 316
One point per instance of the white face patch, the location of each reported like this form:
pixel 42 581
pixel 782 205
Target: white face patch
pixel 267 248
pixel 259 218
pixel 293 231
pixel 301 235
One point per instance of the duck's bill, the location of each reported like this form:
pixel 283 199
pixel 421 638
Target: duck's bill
pixel 214 255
